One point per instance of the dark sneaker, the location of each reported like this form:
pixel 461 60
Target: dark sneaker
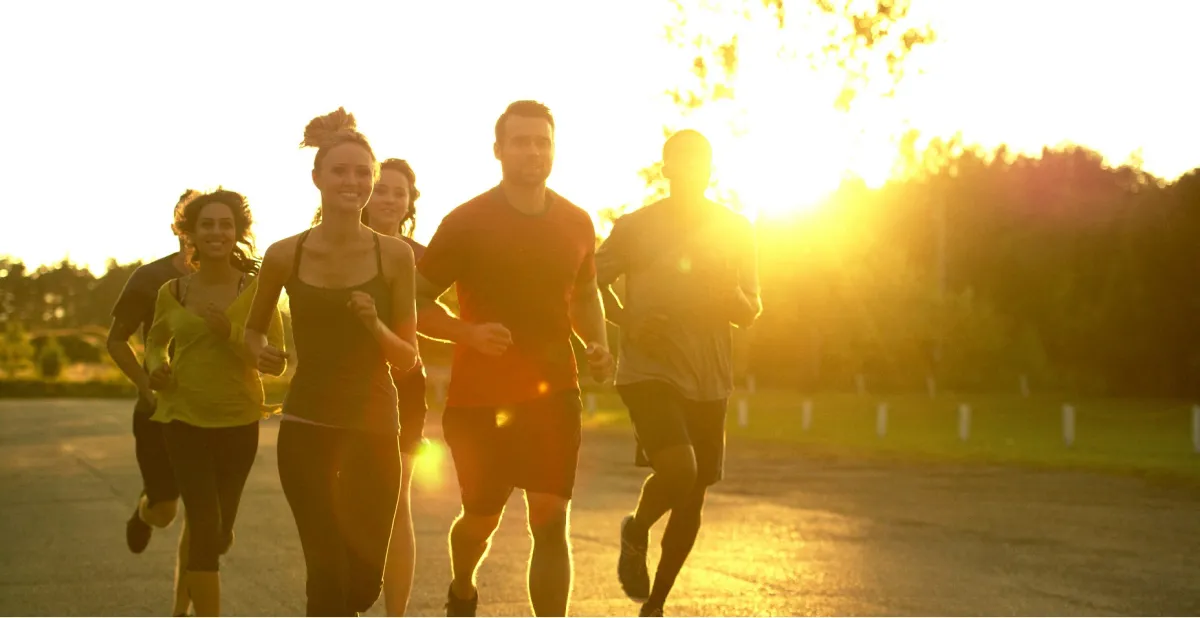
pixel 651 610
pixel 458 607
pixel 631 568
pixel 137 533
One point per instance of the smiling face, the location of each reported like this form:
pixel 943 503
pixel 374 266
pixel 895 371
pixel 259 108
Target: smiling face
pixel 345 177
pixel 215 233
pixel 390 201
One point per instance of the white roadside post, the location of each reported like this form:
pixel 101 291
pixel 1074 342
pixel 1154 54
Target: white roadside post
pixel 881 414
pixel 806 415
pixel 1196 427
pixel 743 412
pixel 1068 424
pixel 964 421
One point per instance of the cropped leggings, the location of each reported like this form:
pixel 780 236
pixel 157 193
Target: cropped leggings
pixel 341 485
pixel 211 465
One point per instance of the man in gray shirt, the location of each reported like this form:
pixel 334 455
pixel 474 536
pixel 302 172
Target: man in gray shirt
pixel 691 273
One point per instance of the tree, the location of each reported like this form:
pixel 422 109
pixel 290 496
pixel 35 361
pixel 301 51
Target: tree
pixel 52 359
pixel 738 57
pixel 867 41
pixel 15 350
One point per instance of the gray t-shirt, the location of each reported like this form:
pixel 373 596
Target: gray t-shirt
pixel 681 261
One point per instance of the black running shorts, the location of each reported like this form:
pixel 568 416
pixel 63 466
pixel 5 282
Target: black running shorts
pixel 150 447
pixel 532 446
pixel 662 417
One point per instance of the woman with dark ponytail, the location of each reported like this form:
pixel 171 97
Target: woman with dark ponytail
pixel 350 291
pixel 392 211
pixel 210 396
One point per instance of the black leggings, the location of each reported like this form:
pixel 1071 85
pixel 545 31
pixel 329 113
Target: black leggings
pixel 211 466
pixel 342 486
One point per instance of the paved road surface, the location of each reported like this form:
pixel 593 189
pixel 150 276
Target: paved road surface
pixel 784 535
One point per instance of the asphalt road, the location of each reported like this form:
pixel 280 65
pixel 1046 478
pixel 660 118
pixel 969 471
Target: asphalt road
pixel 785 534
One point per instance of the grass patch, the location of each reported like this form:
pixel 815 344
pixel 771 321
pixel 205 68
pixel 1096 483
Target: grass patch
pixel 273 389
pixel 1132 436
pixel 1111 435
pixel 62 389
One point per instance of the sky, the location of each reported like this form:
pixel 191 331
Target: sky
pixel 114 108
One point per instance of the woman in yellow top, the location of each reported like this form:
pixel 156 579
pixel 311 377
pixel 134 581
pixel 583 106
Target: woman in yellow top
pixel 210 394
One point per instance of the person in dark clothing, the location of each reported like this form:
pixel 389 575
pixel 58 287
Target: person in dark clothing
pixel 159 500
pixel 522 259
pixel 350 291
pixel 392 212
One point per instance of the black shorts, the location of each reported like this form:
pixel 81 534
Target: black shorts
pixel 410 397
pixel 150 447
pixel 533 446
pixel 663 417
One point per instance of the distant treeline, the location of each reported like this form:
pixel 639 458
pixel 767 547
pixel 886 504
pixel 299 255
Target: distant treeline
pixel 982 267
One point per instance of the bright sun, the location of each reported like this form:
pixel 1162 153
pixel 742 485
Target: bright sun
pixel 779 145
pixel 791 153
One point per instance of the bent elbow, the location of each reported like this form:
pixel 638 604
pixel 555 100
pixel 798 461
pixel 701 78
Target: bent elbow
pixel 410 358
pixel 114 346
pixel 749 317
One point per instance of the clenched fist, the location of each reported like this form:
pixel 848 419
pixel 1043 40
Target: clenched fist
pixel 600 362
pixel 217 321
pixel 363 306
pixel 160 379
pixel 491 339
pixel 270 360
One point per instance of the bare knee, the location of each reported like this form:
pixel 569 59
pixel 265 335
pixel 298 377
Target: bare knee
pixel 548 517
pixel 475 528
pixel 675 466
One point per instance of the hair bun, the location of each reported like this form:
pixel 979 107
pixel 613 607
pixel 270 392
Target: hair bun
pixel 322 129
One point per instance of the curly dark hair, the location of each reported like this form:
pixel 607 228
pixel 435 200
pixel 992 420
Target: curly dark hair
pixel 409 222
pixel 243 257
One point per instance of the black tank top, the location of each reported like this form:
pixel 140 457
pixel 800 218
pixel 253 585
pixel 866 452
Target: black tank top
pixel 342 376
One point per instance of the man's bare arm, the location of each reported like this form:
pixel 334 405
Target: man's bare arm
pixel 746 308
pixel 587 314
pixel 123 355
pixel 614 311
pixel 435 320
pixel 747 301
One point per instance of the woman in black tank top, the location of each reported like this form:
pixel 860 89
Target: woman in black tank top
pixel 350 291
pixel 392 212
